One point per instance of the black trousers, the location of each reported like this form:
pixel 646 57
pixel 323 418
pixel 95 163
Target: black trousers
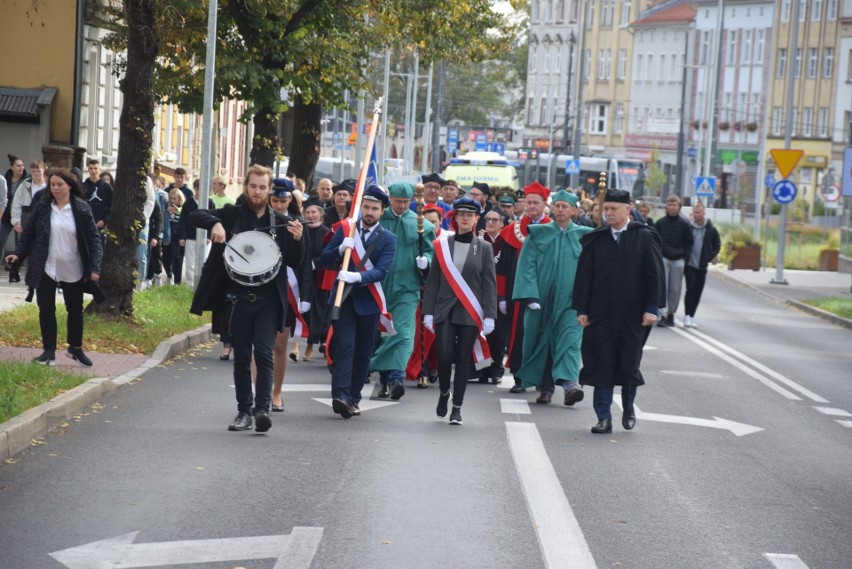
pixel 155 265
pixel 72 293
pixel 454 345
pixel 695 279
pixel 173 260
pixel 255 325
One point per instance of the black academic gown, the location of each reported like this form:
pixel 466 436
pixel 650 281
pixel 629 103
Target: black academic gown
pixel 615 285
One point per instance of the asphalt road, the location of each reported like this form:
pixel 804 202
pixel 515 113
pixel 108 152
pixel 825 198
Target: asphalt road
pixel 740 459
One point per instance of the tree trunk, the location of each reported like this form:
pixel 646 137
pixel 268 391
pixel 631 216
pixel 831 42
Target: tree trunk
pixel 305 146
pixel 266 142
pixel 134 155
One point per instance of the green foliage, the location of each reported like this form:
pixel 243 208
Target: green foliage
pixel 25 385
pixel 839 305
pixel 655 178
pixel 734 237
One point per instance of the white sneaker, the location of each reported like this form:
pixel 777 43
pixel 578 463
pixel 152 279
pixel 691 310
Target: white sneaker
pixel 689 322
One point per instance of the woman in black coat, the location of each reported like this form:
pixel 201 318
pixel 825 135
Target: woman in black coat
pixel 65 250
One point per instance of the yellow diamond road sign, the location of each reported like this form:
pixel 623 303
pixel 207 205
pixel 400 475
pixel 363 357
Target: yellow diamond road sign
pixel 786 160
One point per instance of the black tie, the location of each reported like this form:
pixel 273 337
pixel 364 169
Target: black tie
pixel 365 234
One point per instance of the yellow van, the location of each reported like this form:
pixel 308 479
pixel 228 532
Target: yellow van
pixel 488 167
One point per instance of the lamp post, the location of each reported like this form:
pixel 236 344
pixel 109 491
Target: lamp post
pixel 578 123
pixel 571 41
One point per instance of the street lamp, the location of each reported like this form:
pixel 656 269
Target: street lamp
pixel 571 41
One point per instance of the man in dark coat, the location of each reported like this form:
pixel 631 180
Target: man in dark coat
pixel 617 294
pixel 259 309
pixel 705 246
pixel 676 237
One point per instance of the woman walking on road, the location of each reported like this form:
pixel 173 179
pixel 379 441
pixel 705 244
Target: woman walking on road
pixel 64 249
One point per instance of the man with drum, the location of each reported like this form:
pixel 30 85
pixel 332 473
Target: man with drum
pixel 250 241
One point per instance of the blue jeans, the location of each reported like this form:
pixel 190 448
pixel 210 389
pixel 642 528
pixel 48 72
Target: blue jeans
pixel 392 376
pixel 257 323
pixel 352 347
pixel 602 400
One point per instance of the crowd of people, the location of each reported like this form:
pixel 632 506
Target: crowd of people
pixel 413 285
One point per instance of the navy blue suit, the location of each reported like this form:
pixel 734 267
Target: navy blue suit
pixel 355 328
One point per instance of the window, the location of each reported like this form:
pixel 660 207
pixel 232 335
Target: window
pixel 828 63
pixel 597 119
pixel 555 108
pixel 534 15
pixel 795 128
pixel 803 6
pixel 849 71
pixel 807 121
pixel 745 54
pixel 549 10
pixel 619 118
pixel 621 71
pixel 777 120
pixel 781 69
pixel 797 69
pixel 542 117
pixel 574 11
pixel 639 71
pixel 728 103
pixel 546 66
pixel 816 10
pixel 662 75
pixel 557 67
pixel 533 57
pixel 822 122
pixel 785 10
pixel 588 64
pixel 813 62
pixel 607 13
pixel 608 64
pixel 704 56
pixel 732 47
pixel 590 15
pixel 758 46
pixel 530 110
pixel 600 64
pixel 649 69
pixel 831 10
pixel 674 76
pixel 560 10
pixel 625 12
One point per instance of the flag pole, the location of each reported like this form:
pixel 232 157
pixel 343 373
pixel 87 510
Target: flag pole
pixel 356 205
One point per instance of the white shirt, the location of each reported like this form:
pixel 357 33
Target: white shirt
pixel 63 258
pixel 616 233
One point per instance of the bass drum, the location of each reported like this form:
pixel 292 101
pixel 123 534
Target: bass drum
pixel 252 258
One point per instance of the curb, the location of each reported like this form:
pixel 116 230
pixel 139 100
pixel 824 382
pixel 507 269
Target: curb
pixel 18 433
pixel 812 310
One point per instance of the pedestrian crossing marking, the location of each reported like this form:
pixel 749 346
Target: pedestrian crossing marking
pixel 515 406
pixel 847 424
pixel 833 411
pixel 785 561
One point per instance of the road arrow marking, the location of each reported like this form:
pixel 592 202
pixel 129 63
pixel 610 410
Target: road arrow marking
pixel 292 551
pixel 739 429
pixel 364 405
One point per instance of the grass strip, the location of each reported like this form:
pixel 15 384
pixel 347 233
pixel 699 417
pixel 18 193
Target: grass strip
pixel 839 305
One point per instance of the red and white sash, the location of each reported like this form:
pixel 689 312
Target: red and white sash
pixel 300 330
pixel 376 291
pixel 481 353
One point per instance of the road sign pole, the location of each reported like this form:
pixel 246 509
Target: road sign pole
pixel 779 256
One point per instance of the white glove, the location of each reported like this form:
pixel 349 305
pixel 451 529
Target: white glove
pixel 427 322
pixel 487 326
pixel 502 306
pixel 534 306
pixel 422 263
pixel 304 307
pixel 347 243
pixel 349 277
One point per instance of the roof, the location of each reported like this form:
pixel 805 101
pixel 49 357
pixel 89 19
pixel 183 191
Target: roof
pixel 682 13
pixel 24 103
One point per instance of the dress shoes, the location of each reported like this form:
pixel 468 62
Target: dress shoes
pixel 604 426
pixel 397 391
pixel 342 408
pixel 262 422
pixel 518 388
pixel 628 419
pixel 544 399
pixel 384 392
pixel 242 422
pixel 573 396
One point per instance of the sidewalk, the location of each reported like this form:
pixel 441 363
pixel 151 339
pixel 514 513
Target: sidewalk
pixel 108 372
pixel 801 285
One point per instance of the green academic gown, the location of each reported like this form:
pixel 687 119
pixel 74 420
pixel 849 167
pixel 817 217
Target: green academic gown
pixel 546 270
pixel 402 288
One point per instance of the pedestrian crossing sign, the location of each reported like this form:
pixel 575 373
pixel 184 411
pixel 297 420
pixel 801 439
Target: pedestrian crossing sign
pixel 705 186
pixel 572 167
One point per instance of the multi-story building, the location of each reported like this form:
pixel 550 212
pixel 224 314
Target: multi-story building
pixel 812 61
pixel 660 44
pixel 552 69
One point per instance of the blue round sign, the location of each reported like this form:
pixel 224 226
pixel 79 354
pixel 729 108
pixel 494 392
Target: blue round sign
pixel 784 191
pixel 691 152
pixel 769 181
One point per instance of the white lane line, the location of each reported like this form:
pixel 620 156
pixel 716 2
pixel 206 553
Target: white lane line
pixel 515 406
pixel 847 424
pixel 305 387
pixel 560 537
pixel 833 411
pixel 747 370
pixel 785 561
pixel 759 366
